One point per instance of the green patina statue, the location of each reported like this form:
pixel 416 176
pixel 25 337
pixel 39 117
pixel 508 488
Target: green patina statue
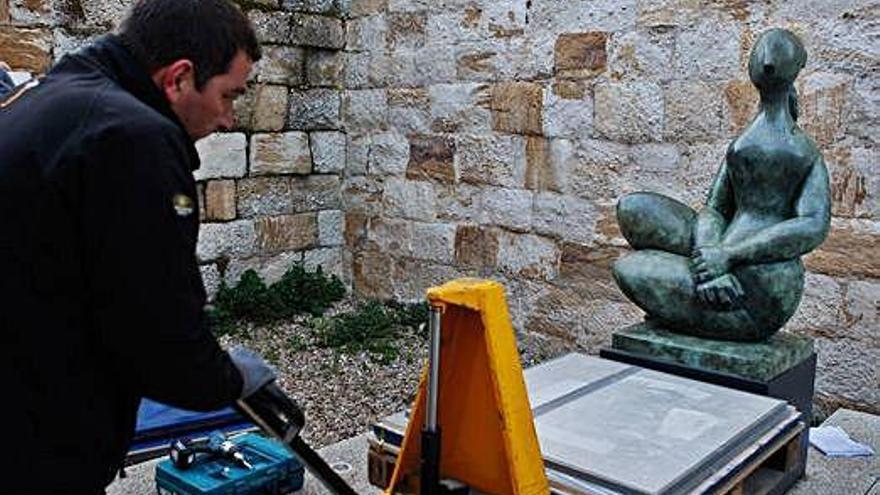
pixel 733 271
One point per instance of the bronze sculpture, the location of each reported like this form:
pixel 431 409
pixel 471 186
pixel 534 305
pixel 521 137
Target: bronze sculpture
pixel 733 270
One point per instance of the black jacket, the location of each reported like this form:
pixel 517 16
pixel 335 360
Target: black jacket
pixel 102 300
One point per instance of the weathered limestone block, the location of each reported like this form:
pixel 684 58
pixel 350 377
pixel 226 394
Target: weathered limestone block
pixel 269 268
pixel 362 195
pixel 511 208
pixel 517 107
pixel 855 180
pixel 269 107
pixel 280 153
pixel 693 111
pixel 329 259
pixel 357 153
pixel 271 27
pixel 576 15
pixel 580 55
pixel 365 110
pixel 821 309
pixel 433 242
pixel 741 104
pixel 220 200
pixel 822 102
pixel 317 31
pixel 328 7
pixel 316 109
pixel 591 167
pixel 226 240
pixel 316 192
pixel 389 154
pixel 366 33
pixel 567 114
pixel 458 202
pixel 331 228
pixel 409 110
pixel 222 155
pixel 406 30
pixel 545 163
pixel 476 246
pixel 286 232
pixel 862 310
pixel 210 279
pixel 25 48
pixel 494 159
pixel 324 68
pixel 264 196
pixel 527 255
pixel 432 158
pixel 281 65
pixel 849 250
pixel 455 108
pixel 641 56
pixel 847 372
pixel 328 151
pixel 414 200
pixel 656 167
pixel 708 51
pixel 629 112
pixel 360 8
pixel 587 270
pixel 564 217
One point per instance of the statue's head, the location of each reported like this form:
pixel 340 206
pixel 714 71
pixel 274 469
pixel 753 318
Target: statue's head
pixel 776 59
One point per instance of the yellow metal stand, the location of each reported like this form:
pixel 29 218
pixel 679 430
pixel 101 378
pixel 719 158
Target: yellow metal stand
pixel 488 434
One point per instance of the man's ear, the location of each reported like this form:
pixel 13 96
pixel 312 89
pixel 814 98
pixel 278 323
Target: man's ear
pixel 176 79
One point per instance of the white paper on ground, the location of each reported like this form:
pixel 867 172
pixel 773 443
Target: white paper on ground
pixel 834 442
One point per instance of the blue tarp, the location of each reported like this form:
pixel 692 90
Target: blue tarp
pixel 159 424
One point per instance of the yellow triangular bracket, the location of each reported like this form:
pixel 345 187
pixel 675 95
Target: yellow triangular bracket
pixel 488 433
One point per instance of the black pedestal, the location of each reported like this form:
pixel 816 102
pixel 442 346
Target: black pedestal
pixel 794 386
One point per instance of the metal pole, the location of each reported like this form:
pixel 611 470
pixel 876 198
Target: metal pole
pixel 433 369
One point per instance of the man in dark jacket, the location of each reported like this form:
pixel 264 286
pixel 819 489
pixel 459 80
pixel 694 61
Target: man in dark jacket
pixel 102 299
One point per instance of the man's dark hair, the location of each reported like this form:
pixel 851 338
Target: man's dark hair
pixel 207 32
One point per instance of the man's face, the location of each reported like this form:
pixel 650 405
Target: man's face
pixel 203 112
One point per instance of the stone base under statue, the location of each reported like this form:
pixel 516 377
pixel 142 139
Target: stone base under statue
pixel 783 367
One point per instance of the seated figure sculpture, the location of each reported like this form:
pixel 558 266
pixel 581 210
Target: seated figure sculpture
pixel 733 271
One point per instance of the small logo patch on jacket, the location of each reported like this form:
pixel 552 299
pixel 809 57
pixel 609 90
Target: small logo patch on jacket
pixel 183 205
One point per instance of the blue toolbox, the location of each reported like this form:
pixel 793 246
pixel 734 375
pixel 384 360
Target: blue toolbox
pixel 274 471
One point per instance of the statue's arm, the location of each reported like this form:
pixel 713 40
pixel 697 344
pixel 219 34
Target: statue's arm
pixel 796 236
pixel 713 218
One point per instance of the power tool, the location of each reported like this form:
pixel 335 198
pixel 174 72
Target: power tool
pixel 183 451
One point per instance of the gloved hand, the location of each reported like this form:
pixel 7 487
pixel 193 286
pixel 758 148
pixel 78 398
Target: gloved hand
pixel 255 373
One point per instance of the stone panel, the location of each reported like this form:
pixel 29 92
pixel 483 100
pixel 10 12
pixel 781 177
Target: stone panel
pixel 316 192
pixel 330 7
pixel 362 195
pixel 406 30
pixel 357 154
pixel 286 232
pixel 587 270
pixel 210 278
pixel 409 110
pixel 280 153
pixel 459 202
pixel 222 155
pixel 708 51
pixel 517 107
pixel 329 259
pixel 592 167
pixel 331 227
pixel 850 250
pixel 269 108
pixel 316 109
pixel 526 255
pixel 220 200
pixel 510 208
pixel 271 27
pixel 365 110
pixel 25 48
pixel 741 104
pixel 862 311
pixel 496 159
pixel 693 111
pixel 847 372
pixel 389 154
pixel 567 115
pixel 366 33
pixel 328 151
pixel 226 240
pixel 281 65
pixel 433 242
pixel 455 108
pixel 564 217
pixel 581 54
pixel 822 101
pixel 264 196
pixel 431 158
pixel 317 31
pixel 476 246
pixel 629 112
pixel 324 68
pixel 413 200
pixel 821 308
pixel 269 268
pixel 637 55
pixel 855 180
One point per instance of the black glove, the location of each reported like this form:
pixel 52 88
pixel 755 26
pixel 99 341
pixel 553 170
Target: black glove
pixel 255 373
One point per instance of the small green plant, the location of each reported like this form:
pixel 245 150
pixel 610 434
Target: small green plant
pixel 299 291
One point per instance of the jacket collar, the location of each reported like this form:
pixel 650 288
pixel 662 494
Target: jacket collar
pixel 111 57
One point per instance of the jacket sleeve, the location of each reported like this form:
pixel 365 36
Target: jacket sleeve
pixel 140 221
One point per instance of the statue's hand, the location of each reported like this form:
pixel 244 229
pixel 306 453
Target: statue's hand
pixel 709 263
pixel 724 293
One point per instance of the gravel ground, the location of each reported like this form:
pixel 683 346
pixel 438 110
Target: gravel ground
pixel 342 393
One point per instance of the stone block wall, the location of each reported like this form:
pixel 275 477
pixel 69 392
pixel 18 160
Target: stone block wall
pixel 402 143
